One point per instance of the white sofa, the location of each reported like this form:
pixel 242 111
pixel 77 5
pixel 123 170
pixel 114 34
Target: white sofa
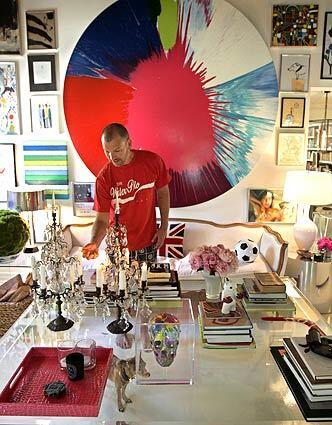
pixel 273 249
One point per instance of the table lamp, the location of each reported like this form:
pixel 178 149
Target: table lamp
pixel 307 188
pixel 27 200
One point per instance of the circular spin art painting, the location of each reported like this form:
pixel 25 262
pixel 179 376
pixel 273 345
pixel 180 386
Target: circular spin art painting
pixel 192 80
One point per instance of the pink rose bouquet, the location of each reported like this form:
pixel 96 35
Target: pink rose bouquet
pixel 214 259
pixel 325 244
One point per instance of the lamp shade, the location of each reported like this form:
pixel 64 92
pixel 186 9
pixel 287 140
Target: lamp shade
pixel 308 187
pixel 26 200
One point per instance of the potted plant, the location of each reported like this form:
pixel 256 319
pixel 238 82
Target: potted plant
pixel 216 262
pixel 324 246
pixel 14 234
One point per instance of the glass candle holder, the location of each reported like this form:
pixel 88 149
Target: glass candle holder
pixel 87 347
pixel 64 348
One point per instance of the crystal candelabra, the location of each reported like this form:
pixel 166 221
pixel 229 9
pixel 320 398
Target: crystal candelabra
pixel 119 281
pixel 57 278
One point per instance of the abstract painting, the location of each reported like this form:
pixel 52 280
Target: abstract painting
pixel 294 72
pixel 7 169
pixel 45 114
pixel 267 205
pixel 41 29
pixel 181 76
pixel 46 164
pixel 326 65
pixel 292 112
pixel 291 149
pixel 9 27
pixel 294 24
pixel 9 118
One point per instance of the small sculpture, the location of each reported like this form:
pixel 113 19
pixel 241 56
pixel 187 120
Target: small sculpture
pixel 318 343
pixel 228 297
pixel 122 372
pixel 164 331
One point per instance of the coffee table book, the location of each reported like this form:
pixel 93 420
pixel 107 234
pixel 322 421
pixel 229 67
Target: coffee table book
pixel 287 307
pixel 270 282
pixel 212 318
pixel 321 411
pixel 254 291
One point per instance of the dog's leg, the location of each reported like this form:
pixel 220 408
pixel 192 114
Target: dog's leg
pixel 124 397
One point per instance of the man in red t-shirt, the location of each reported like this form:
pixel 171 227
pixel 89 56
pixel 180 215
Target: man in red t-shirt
pixel 141 181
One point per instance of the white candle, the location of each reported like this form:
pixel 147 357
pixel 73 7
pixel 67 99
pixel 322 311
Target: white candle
pixel 99 277
pixel 117 205
pixel 53 199
pixel 72 275
pixel 43 277
pixel 33 268
pixel 79 268
pixel 144 270
pixel 127 255
pixel 122 280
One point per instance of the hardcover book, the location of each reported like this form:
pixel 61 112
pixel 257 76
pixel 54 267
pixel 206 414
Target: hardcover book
pixel 271 281
pixel 212 318
pixel 254 290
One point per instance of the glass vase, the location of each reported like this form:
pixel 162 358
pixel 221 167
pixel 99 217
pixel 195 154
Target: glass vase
pixel 213 286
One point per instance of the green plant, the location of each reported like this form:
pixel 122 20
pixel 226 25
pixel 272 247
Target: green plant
pixel 14 233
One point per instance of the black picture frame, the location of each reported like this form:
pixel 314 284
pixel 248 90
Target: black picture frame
pixel 10 28
pixel 50 83
pixel 326 43
pixel 286 121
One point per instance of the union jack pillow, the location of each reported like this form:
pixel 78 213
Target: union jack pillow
pixel 173 244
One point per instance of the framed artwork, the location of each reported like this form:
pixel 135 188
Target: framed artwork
pixel 326 64
pixel 45 114
pixel 42 73
pixel 9 110
pixel 291 149
pixel 41 32
pixel 46 165
pixel 294 72
pixel 83 198
pixel 292 112
pixel 9 27
pixel 294 24
pixel 7 169
pixel 267 205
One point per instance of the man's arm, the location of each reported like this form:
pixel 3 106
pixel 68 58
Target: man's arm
pixel 98 232
pixel 163 204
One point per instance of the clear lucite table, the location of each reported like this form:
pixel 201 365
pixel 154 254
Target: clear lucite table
pixel 241 386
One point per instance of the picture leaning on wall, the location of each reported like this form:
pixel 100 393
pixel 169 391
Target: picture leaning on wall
pixel 294 73
pixel 83 199
pixel 267 205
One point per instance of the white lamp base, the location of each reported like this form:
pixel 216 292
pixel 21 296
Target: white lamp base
pixel 305 232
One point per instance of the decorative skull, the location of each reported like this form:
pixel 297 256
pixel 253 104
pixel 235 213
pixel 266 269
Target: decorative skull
pixel 164 331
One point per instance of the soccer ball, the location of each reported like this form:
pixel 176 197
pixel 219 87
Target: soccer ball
pixel 246 251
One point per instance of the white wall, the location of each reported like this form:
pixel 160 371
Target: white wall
pixel 74 16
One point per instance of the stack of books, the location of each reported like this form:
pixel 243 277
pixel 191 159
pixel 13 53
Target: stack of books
pixel 309 376
pixel 266 291
pixel 224 331
pixel 163 282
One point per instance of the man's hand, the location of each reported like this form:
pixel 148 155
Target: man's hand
pixel 159 237
pixel 90 251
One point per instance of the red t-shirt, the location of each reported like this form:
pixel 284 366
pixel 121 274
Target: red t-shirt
pixel 136 183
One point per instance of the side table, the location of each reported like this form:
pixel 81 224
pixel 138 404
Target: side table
pixel 315 281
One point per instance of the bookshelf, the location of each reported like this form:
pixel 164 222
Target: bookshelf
pixel 319 152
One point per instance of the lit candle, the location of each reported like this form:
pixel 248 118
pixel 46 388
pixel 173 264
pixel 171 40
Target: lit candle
pixel 43 277
pixel 144 270
pixel 99 277
pixel 122 280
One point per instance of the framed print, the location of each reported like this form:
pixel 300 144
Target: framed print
pixel 292 112
pixel 291 149
pixel 294 24
pixel 326 63
pixel 42 72
pixel 45 114
pixel 9 27
pixel 41 29
pixel 83 199
pixel 9 110
pixel 294 72
pixel 267 205
pixel 7 169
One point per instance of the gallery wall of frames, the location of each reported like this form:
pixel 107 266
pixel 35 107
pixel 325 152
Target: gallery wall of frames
pixel 37 39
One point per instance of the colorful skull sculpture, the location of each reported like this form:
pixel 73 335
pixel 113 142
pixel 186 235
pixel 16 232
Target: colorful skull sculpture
pixel 164 331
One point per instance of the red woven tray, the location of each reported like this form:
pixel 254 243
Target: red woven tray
pixel 24 393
